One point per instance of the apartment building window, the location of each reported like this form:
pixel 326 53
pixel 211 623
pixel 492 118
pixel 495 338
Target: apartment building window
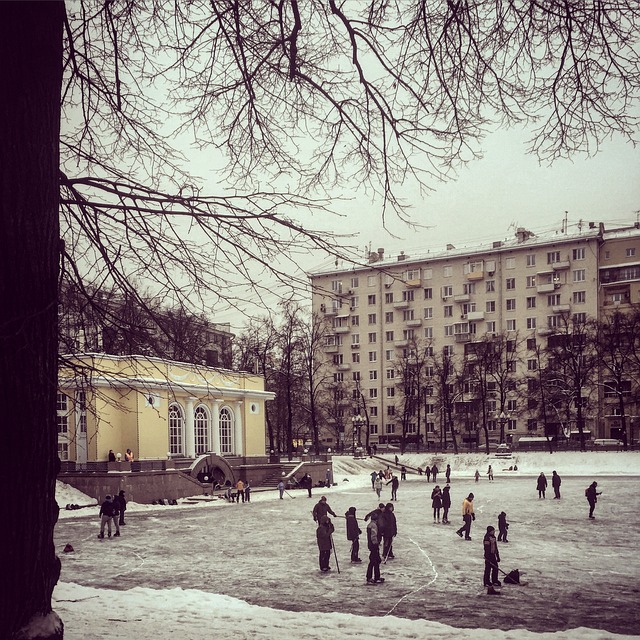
pixel 448 311
pixel 469 288
pixel 427 274
pixel 492 425
pixel 531 323
pixel 553 256
pixel 491 326
pixel 630 252
pixel 336 286
pixel 373 393
pixel 391 392
pixel 448 330
pixel 355 302
pixel 388 336
pixel 431 427
pixel 428 293
pixel 428 313
pixel 372 318
pixel 531 344
pixel 510 263
pixel 390 428
pixel 607 255
pixel 532 364
pixel 388 317
pixel 579 297
pixel 388 297
pixel 354 283
pixel 373 428
pixel 388 355
pixel 391 410
pixel 355 357
pixel 579 253
pixel 429 409
pixel 355 338
pixel 447 291
pixel 510 284
pixel 407 314
pixel 531 260
pixel 338 377
pixel 531 302
pixel 408 296
pixel 579 318
pixel 373 374
pixel 511 324
pixel 491 286
pixel 428 391
pixel 338 358
pixel 428 371
pixel 511 304
pixel 553 300
pixel 447 350
pixel 371 281
pixel 408 334
pixel 512 425
pixel 428 351
pixel 371 299
pixel 579 275
pixel 531 282
pixel 372 337
pixel 412 274
pixel 355 321
pixel 388 280
pixel 447 272
pixel 428 332
pixel 373 412
pixel 391 374
pixel 373 356
pixel 553 322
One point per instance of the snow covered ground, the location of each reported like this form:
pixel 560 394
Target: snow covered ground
pixel 250 570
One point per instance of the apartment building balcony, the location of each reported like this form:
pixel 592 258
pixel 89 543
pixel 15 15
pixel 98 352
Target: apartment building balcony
pixel 475 275
pixel 330 311
pixel 416 322
pixel 401 343
pixel 401 304
pixel 461 297
pixel 331 348
pixel 355 346
pixel 561 308
pixel 473 316
pixel 544 331
pixel 546 288
pixel 413 284
pixel 344 367
pixel 342 329
pixel 462 337
pixel 560 266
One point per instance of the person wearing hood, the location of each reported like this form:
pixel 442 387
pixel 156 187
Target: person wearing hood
pixel 436 502
pixel 592 494
pixel 373 542
pixel 390 531
pixel 353 534
pixel 120 504
pixel 321 509
pixel 555 483
pixel 467 516
pixel 446 504
pixel 491 558
pixel 106 516
pixel 325 543
pixel 541 486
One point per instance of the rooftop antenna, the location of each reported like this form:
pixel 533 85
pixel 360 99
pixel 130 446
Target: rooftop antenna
pixel 565 223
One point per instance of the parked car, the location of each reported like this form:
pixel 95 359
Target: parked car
pixel 607 442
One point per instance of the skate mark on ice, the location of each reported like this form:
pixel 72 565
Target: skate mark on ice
pixel 423 586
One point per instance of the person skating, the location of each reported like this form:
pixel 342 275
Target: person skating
pixel 541 486
pixel 321 509
pixel 434 472
pixel 323 536
pixel 374 475
pixel 428 472
pixel 373 543
pixel 476 475
pixel 106 516
pixel 390 531
pixel 403 472
pixel 120 504
pixel 247 492
pixel 280 490
pixel 395 483
pixel 307 483
pixel 491 558
pixel 377 485
pixel 503 525
pixel 446 504
pixel 353 533
pixel 447 474
pixel 468 516
pixel 490 472
pixel 556 481
pixel 592 494
pixel 436 502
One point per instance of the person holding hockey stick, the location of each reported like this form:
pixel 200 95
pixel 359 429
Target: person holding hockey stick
pixel 373 542
pixel 325 544
pixel 353 534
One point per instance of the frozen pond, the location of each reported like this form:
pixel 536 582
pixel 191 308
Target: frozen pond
pixel 575 572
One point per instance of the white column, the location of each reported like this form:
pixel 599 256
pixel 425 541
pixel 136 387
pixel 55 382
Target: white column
pixel 215 427
pixel 237 436
pixel 190 432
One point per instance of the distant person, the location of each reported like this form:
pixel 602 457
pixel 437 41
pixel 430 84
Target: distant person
pixel 395 483
pixel 377 485
pixel 375 449
pixel 467 516
pixel 128 456
pixel 390 531
pixel 436 502
pixel 240 491
pixel 491 558
pixel 281 489
pixel 490 472
pixel 325 543
pixel 322 508
pixel 556 481
pixel 307 483
pixel 434 472
pixel 106 516
pixel 396 460
pixel 374 475
pixel 419 471
pixel 247 492
pixel 541 486
pixel 447 474
pixel 503 525
pixel 369 450
pixel 476 475
pixel 373 543
pixel 353 533
pixel 446 504
pixel 403 472
pixel 428 473
pixel 120 504
pixel 327 477
pixel 592 494
pixel 112 456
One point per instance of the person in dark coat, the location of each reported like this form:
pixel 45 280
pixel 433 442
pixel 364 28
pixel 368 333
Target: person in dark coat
pixel 321 509
pixel 390 531
pixel 555 483
pixel 112 456
pixel 373 543
pixel 447 473
pixel 120 504
pixel 353 533
pixel 380 530
pixel 592 494
pixel 436 502
pixel 325 543
pixel 434 472
pixel 491 558
pixel 541 485
pixel 446 504
pixel 428 472
pixel 306 483
pixel 395 483
pixel 403 472
pixel 106 516
pixel 503 525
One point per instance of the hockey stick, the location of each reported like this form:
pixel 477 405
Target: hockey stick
pixel 292 497
pixel 333 546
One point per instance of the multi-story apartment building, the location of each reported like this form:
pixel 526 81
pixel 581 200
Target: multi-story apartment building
pixel 523 289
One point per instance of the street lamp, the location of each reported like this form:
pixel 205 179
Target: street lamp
pixel 357 421
pixel 503 418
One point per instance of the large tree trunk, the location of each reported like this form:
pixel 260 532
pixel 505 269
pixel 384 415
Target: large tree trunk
pixel 31 78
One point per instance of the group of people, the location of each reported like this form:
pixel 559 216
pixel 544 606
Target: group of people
pixel 112 510
pixel 128 456
pixel 242 491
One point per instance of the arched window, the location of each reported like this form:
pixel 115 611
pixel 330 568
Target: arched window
pixel 201 424
pixel 176 429
pixel 226 431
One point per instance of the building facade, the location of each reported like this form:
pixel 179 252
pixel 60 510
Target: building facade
pixel 157 408
pixel 524 288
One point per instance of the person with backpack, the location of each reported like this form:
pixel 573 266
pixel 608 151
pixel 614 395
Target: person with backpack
pixel 591 493
pixel 353 534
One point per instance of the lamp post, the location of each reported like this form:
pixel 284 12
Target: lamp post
pixel 357 421
pixel 503 418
